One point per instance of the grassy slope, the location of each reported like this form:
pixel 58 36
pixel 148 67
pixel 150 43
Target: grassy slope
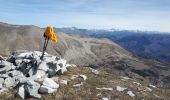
pixel 88 90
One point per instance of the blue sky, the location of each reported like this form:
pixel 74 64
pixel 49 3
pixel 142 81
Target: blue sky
pixel 150 15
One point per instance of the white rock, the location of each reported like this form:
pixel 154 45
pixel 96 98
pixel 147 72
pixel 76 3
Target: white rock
pixel 4 76
pixel 118 88
pixel 25 55
pixel 152 86
pixel 21 92
pixel 2 80
pixel 50 83
pixel 148 89
pixel 105 98
pixel 37 54
pixel 40 74
pixel 110 89
pixel 1 58
pixel 63 69
pixel 130 93
pixel 71 65
pixel 5 66
pixel 49 86
pixel 18 62
pixel 1 86
pixel 62 63
pixel 73 77
pixel 43 66
pixel 14 73
pixel 137 83
pixel 9 82
pixel 94 71
pixel 44 89
pixel 78 85
pixel 49 58
pixel 32 89
pixel 156 96
pixel 125 78
pixel 65 82
pixel 84 77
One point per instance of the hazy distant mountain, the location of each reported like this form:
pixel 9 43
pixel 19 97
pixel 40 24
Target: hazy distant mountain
pixel 155 45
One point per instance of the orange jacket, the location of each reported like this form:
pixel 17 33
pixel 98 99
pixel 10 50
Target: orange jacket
pixel 49 32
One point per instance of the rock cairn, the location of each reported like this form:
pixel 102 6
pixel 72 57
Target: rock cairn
pixel 32 76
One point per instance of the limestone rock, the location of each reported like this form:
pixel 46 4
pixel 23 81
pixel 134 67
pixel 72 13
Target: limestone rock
pixel 1 58
pixel 1 80
pixel 84 77
pixel 130 93
pixel 5 66
pixel 65 82
pixel 45 89
pixel 50 83
pixel 94 71
pixel 78 85
pixel 9 82
pixel 40 74
pixel 118 88
pixel 21 92
pixel 49 86
pixel 32 88
pixel 43 66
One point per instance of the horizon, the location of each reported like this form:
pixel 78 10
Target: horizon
pixel 147 15
pixel 98 29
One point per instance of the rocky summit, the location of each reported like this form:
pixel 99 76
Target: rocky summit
pixel 23 75
pixel 25 70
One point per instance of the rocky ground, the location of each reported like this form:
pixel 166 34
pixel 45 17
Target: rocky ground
pixel 24 75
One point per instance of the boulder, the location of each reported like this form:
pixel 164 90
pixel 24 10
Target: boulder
pixel 27 55
pixel 4 75
pixel 104 88
pixel 40 74
pixel 50 83
pixel 1 86
pixel 73 77
pixel 44 89
pixel 49 58
pixel 36 55
pixel 11 59
pixel 1 58
pixel 32 88
pixel 14 73
pixel 5 66
pixel 84 77
pixel 43 66
pixel 118 88
pixel 105 98
pixel 51 73
pixel 65 82
pixel 94 71
pixel 21 92
pixel 49 86
pixel 130 93
pixel 9 82
pixel 2 80
pixel 61 63
pixel 18 62
pixel 78 85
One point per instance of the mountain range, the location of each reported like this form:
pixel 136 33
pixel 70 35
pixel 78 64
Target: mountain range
pixel 147 44
pixel 84 50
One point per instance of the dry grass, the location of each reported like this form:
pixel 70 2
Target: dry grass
pixel 88 90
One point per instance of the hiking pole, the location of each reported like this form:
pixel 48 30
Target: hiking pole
pixel 48 34
pixel 44 48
